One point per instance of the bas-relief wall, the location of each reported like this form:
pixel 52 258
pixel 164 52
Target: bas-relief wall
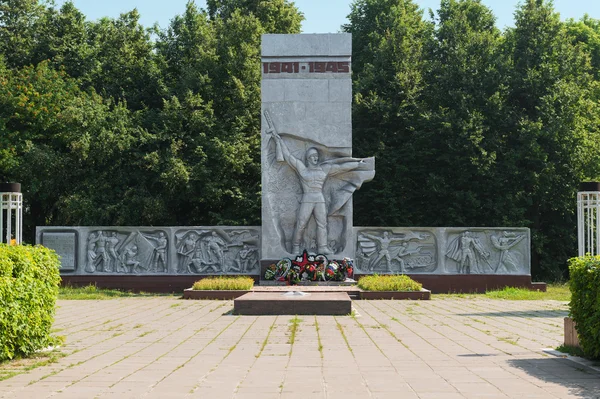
pixel 443 250
pixel 236 250
pixel 154 250
pixel 308 178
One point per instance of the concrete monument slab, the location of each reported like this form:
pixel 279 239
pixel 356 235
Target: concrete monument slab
pixel 308 173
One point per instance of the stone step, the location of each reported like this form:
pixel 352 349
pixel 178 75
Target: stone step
pixel 293 303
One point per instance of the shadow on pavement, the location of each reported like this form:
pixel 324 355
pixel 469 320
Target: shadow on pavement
pixel 581 381
pixel 524 313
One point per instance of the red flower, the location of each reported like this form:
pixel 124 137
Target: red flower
pixel 349 271
pixel 330 272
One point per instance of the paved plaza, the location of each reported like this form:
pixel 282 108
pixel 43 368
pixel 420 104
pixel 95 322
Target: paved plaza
pixel 165 347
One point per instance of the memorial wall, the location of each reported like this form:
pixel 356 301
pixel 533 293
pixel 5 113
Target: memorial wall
pixel 308 178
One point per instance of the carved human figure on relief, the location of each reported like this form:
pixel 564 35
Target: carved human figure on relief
pixel 90 265
pixel 384 247
pixel 312 176
pixel 215 248
pixel 186 249
pixel 159 255
pixel 401 254
pixel 100 261
pixel 111 249
pixel 247 259
pixel 504 242
pixel 130 260
pixel 469 253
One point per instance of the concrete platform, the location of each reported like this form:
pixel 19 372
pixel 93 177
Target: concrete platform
pixel 288 303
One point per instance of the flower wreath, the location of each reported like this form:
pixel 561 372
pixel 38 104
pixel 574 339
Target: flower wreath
pixel 307 267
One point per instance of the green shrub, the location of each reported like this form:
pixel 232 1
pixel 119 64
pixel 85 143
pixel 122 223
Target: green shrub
pixel 29 279
pixel 389 283
pixel 585 302
pixel 239 283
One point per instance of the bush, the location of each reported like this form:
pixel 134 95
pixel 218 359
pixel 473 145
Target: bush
pixel 29 279
pixel 389 283
pixel 239 283
pixel 585 302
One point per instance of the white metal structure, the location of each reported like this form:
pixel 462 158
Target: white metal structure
pixel 11 213
pixel 588 218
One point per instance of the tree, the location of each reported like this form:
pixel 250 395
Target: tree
pixel 388 39
pixel 275 16
pixel 586 32
pixel 62 37
pixel 19 20
pixel 553 124
pixel 68 147
pixel 125 68
pixel 458 139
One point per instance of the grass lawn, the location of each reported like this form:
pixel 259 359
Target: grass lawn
pixel 10 368
pixel 93 292
pixel 557 292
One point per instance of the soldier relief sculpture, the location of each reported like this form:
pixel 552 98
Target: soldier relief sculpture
pixel 402 252
pixel 310 185
pixel 216 251
pixel 126 252
pixel 487 252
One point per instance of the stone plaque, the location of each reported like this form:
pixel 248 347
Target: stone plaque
pixel 65 246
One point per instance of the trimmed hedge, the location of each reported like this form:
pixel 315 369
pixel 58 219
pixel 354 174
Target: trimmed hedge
pixel 237 283
pixel 399 282
pixel 29 279
pixel 585 302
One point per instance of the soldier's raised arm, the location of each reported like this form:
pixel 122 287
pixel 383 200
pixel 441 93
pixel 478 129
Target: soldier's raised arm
pixel 294 162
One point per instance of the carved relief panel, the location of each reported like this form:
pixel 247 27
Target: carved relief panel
pixel 387 250
pixel 487 251
pixel 134 252
pixel 216 251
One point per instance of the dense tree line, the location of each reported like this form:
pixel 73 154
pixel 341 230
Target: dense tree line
pixel 472 126
pixel 110 123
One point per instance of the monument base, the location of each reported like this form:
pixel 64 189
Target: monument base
pixel 276 303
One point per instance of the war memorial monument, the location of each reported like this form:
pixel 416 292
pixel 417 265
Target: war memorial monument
pixel 308 178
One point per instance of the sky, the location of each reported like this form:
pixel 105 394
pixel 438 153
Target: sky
pixel 322 16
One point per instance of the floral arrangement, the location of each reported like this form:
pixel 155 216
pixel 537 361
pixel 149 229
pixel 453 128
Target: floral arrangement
pixel 310 268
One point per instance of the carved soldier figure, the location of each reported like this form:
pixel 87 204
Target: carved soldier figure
pixel 130 259
pixel 90 266
pixel 215 248
pixel 504 243
pixel 312 177
pixel 401 254
pixel 384 246
pixel 111 245
pixel 160 252
pixel 247 259
pixel 467 251
pixel 102 260
pixel 186 252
